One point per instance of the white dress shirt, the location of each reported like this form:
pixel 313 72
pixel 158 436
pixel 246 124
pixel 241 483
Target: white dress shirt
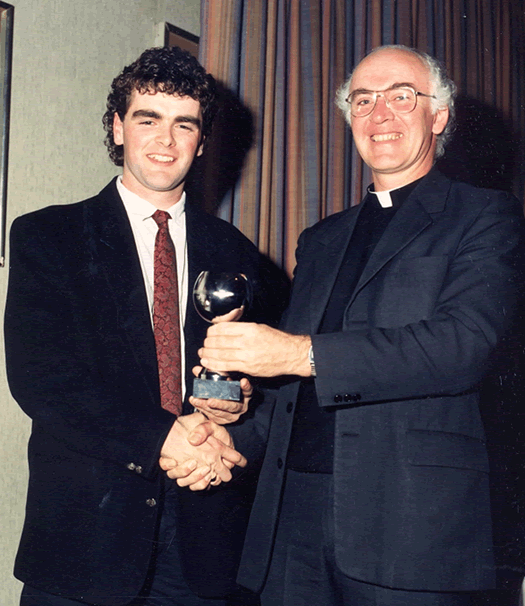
pixel 140 214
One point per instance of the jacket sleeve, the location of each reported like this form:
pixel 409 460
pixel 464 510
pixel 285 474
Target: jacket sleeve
pixel 57 368
pixel 446 351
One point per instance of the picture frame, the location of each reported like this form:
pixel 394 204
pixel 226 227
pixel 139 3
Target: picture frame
pixel 6 56
pixel 175 36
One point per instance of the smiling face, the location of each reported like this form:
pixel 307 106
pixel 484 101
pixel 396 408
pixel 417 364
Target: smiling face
pixel 399 148
pixel 161 135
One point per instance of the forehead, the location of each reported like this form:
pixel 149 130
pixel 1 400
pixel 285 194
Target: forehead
pixel 382 69
pixel 164 103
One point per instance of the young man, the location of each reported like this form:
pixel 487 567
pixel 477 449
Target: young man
pixel 101 336
pixel 375 488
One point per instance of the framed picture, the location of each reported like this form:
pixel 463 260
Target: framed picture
pixel 6 53
pixel 175 36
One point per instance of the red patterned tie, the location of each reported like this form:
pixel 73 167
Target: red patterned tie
pixel 166 316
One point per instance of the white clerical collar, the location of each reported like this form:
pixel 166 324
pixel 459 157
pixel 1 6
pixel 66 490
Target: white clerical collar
pixel 142 208
pixel 384 197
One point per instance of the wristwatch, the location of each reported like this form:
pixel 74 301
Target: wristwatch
pixel 311 360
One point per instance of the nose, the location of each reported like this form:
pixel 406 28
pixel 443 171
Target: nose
pixel 381 111
pixel 165 136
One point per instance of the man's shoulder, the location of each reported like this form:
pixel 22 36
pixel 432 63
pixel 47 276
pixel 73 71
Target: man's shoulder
pixel 471 207
pixel 481 195
pixel 212 226
pixel 65 216
pixel 66 221
pixel 459 193
pixel 331 222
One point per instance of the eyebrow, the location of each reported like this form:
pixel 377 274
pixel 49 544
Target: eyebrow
pixel 149 113
pixel 395 85
pixel 146 113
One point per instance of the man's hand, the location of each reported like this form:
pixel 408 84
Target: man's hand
pixel 256 350
pixel 198 452
pixel 223 411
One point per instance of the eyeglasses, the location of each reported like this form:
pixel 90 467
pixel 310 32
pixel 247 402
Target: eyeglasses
pixel 402 99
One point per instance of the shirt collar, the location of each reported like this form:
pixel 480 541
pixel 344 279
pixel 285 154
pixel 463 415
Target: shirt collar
pixel 142 209
pixel 394 197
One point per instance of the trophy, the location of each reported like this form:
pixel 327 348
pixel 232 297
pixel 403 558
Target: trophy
pixel 215 295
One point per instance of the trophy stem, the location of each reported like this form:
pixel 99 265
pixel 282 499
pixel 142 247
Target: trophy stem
pixel 211 375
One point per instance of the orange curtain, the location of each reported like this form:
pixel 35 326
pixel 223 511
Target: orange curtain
pixel 284 59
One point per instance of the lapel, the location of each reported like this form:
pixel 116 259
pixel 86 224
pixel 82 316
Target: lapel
pixel 202 249
pixel 410 220
pixel 333 243
pixel 114 256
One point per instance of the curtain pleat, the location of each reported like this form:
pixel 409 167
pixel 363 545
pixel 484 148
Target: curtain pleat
pixel 284 60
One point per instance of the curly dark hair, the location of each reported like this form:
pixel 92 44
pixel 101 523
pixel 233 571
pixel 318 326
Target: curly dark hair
pixel 163 70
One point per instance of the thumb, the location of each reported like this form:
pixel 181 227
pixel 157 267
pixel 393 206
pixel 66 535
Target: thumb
pixel 200 434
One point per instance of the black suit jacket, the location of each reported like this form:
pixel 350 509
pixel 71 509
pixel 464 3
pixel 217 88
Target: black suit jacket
pixel 81 363
pixel 411 487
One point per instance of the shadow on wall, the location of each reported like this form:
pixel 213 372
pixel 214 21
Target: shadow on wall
pixel 483 150
pixel 217 171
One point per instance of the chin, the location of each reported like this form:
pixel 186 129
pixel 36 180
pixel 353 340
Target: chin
pixel 386 168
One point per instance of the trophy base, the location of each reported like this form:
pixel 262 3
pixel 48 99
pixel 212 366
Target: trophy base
pixel 221 390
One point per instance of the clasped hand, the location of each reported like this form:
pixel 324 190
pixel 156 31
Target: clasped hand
pixel 198 452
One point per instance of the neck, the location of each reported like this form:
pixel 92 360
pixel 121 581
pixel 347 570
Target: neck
pixel 163 202
pixel 160 199
pixel 386 182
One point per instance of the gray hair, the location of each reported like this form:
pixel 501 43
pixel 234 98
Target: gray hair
pixel 442 88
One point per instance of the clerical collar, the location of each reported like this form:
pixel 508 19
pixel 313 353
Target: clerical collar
pixel 393 197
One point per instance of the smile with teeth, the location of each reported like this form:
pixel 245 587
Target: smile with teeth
pixel 386 137
pixel 160 158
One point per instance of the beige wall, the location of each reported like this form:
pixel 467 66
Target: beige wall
pixel 66 52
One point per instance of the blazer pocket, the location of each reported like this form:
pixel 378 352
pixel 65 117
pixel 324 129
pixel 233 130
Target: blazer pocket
pixel 445 449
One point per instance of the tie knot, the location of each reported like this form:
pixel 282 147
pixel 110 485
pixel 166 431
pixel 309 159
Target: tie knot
pixel 161 218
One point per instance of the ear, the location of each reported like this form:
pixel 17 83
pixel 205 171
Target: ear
pixel 440 120
pixel 118 128
pixel 201 147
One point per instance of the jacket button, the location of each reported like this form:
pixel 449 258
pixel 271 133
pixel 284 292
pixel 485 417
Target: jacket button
pixel 352 397
pixel 131 466
pixel 289 407
pixel 279 463
pixel 338 398
pixel 151 502
pixel 138 469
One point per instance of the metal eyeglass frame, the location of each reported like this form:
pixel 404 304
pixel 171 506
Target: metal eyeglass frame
pixel 377 93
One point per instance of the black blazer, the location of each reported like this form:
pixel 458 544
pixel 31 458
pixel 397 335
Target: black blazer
pixel 411 486
pixel 81 363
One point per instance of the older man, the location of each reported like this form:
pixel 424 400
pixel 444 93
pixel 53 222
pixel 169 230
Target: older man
pixel 375 484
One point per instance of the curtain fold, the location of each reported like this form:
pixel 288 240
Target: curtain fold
pixel 284 60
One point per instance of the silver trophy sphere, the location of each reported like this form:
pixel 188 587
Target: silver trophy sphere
pixel 215 295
